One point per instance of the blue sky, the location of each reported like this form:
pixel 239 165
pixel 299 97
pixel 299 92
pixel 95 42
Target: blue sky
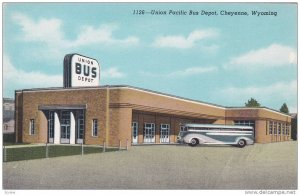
pixel 218 59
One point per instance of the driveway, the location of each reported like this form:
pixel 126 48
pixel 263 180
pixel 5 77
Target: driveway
pixel 260 166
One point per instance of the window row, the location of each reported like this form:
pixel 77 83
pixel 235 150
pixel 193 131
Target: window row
pixel 276 128
pixel 95 127
pixel 149 133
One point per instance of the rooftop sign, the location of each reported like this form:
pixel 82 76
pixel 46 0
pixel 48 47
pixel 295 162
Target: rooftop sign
pixel 80 71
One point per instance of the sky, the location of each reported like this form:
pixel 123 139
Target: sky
pixel 206 56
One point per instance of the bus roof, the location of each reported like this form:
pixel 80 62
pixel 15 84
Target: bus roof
pixel 217 126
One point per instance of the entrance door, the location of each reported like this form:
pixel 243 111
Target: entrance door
pixel 149 133
pixel 164 133
pixel 65 127
pixel 80 127
pixel 135 136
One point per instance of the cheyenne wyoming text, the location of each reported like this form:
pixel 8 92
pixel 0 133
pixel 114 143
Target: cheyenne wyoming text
pixel 203 13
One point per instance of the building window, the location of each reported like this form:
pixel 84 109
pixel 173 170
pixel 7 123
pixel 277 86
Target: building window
pixel 149 133
pixel 80 124
pixel 275 128
pixel 270 127
pixel 288 130
pixel 6 127
pixel 283 128
pixel 31 127
pixel 164 133
pixel 286 126
pixel 279 128
pixel 95 128
pixel 134 127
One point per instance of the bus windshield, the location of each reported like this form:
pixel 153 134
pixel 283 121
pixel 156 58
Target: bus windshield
pixel 183 128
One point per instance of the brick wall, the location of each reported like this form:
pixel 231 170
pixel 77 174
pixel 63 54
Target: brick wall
pixel 174 121
pixel 93 99
pixel 126 105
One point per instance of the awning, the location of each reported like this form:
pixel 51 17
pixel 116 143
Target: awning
pixel 62 107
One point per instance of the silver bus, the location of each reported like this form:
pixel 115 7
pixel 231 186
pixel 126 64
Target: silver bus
pixel 194 134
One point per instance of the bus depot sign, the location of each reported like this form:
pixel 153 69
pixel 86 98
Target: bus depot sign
pixel 80 71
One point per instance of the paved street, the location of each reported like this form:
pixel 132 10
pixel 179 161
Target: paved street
pixel 261 166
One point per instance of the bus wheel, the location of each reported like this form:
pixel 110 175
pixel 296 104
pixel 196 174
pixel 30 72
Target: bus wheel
pixel 241 143
pixel 194 142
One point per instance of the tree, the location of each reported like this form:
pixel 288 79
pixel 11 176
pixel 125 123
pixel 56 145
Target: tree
pixel 284 108
pixel 252 103
pixel 294 127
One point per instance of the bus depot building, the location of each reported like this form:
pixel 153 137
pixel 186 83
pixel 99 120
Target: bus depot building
pixel 114 114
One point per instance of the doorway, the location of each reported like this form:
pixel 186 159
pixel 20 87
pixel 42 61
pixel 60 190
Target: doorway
pixel 149 133
pixel 65 127
pixel 135 136
pixel 164 133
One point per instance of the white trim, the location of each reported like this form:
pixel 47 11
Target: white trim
pixel 276 112
pixel 263 108
pixel 29 132
pixel 219 131
pixel 61 89
pixel 31 124
pixel 72 128
pixel 217 126
pixel 50 126
pixel 125 87
pixel 93 125
pixel 56 128
pixel 227 134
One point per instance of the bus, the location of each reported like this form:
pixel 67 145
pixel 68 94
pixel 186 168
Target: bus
pixel 194 134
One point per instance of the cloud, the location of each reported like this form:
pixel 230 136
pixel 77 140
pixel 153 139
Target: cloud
pixel 112 73
pixel 275 55
pixel 181 42
pixel 50 32
pixel 44 30
pixel 276 92
pixel 192 71
pixel 103 34
pixel 15 78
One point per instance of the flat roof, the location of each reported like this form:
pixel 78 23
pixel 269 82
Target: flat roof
pixel 261 107
pixel 149 91
pixel 120 86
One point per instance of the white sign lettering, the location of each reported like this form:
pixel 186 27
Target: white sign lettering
pixel 82 71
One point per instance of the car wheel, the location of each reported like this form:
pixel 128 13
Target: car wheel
pixel 241 143
pixel 194 142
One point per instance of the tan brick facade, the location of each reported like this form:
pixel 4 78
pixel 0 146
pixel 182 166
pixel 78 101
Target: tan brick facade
pixel 116 107
pixel 262 118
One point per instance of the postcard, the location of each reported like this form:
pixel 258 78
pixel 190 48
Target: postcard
pixel 150 96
